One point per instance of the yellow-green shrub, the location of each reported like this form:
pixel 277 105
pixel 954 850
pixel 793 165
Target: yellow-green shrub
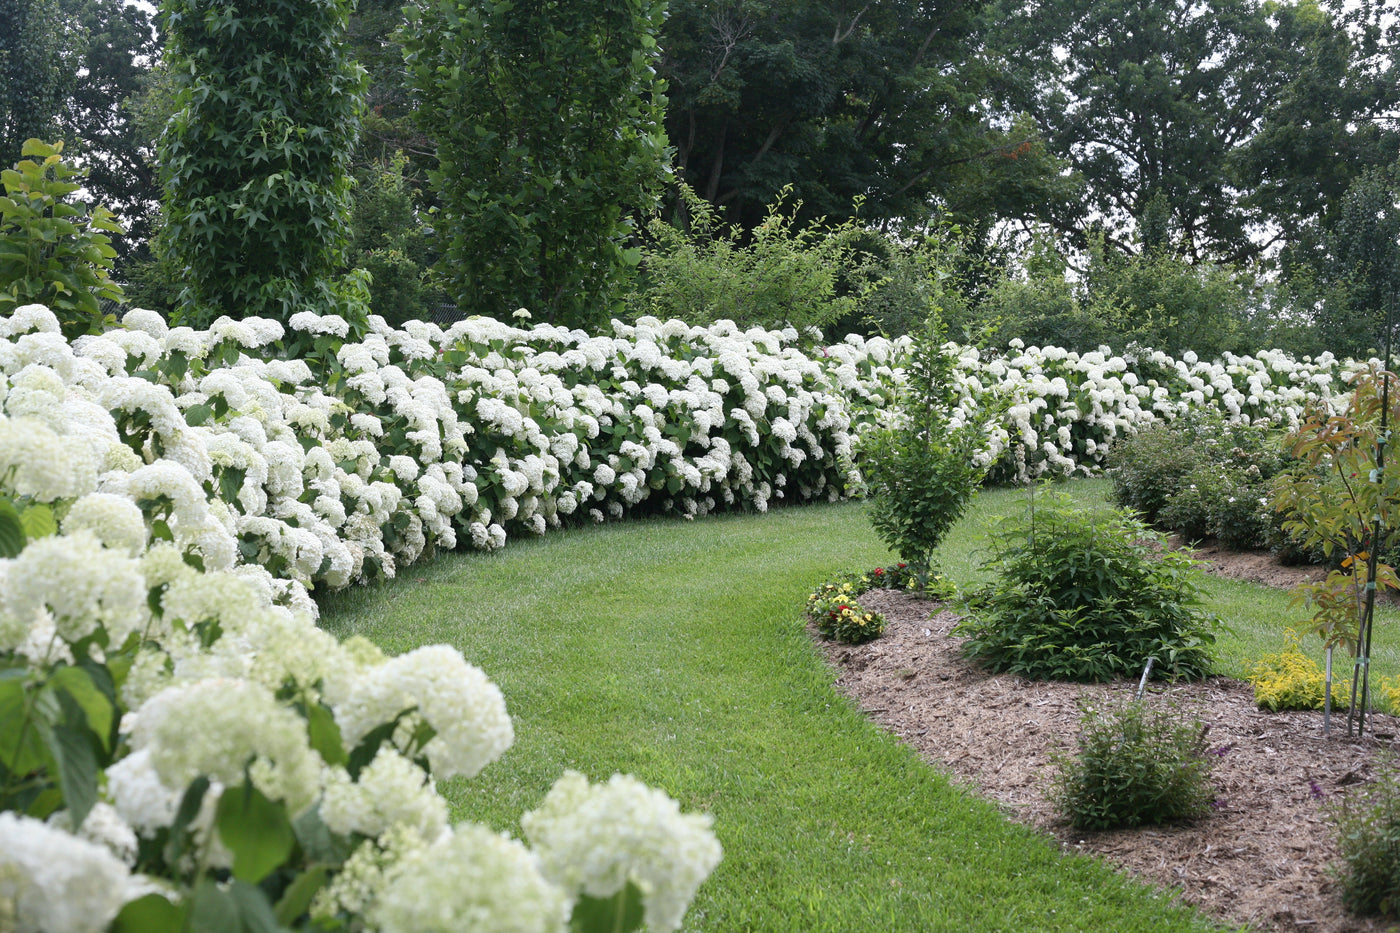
pixel 1288 679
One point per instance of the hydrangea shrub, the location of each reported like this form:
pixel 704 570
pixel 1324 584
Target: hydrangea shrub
pixel 169 497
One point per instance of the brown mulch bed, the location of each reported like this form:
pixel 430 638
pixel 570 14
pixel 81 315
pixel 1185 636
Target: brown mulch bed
pixel 1261 857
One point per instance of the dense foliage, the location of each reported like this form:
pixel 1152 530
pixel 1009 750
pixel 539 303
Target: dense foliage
pixel 255 161
pixel 53 249
pixel 773 276
pixel 1089 597
pixel 547 119
pixel 1136 765
pixel 1205 476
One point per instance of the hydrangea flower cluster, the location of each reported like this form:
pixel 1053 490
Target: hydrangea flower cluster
pixel 186 727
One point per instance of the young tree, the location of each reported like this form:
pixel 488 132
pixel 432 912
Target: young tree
pixel 255 161
pixel 547 118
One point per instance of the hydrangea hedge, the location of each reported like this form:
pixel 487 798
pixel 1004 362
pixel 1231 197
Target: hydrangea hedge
pixel 176 730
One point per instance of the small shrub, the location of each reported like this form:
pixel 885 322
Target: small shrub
pixel 1136 765
pixel 1368 835
pixel 1288 679
pixel 1088 597
pixel 1147 469
pixel 1203 476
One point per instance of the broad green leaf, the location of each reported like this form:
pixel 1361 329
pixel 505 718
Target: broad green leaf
pixel 38 521
pixel 296 900
pixel 149 914
pixel 325 735
pixel 256 830
pixel 12 537
pixel 213 910
pixel 255 914
pixel 74 749
pixel 21 747
pixel 97 707
pixel 617 914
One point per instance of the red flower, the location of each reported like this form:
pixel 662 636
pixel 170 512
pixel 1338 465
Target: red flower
pixel 879 571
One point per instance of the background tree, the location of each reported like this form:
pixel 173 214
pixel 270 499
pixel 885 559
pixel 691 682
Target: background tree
pixel 894 102
pixel 1209 106
pixel 547 119
pixel 38 68
pixel 98 119
pixel 256 159
pixel 1360 269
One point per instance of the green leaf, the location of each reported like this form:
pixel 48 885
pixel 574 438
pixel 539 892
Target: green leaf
pixel 617 914
pixel 197 415
pixel 256 830
pixel 213 910
pixel 296 900
pixel 255 913
pixel 21 748
pixel 230 482
pixel 189 808
pixel 97 708
pixel 149 914
pixel 74 749
pixel 325 735
pixel 12 537
pixel 39 521
pixel 364 753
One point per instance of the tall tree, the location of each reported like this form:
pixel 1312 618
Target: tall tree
pixel 38 67
pixel 1207 104
pixel 894 102
pixel 256 159
pixel 547 118
pixel 98 120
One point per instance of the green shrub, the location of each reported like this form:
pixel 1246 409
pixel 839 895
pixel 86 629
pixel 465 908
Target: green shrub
pixel 1203 476
pixel 1087 596
pixel 1147 469
pixel 922 470
pixel 1135 765
pixel 774 275
pixel 1368 836
pixel 54 251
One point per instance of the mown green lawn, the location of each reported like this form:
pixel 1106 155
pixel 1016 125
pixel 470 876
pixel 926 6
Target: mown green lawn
pixel 676 651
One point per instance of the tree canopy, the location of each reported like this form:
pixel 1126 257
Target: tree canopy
pixel 896 103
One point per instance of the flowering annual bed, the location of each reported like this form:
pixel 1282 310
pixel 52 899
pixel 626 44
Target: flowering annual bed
pixel 177 736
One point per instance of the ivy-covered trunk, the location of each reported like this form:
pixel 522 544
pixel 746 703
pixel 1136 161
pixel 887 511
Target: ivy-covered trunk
pixel 256 159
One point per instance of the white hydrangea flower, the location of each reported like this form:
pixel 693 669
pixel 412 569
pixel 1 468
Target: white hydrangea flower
pixel 81 583
pixel 114 520
pixel 37 462
pixel 390 790
pixel 465 708
pixel 104 826
pixel 54 882
pixel 471 880
pixel 218 728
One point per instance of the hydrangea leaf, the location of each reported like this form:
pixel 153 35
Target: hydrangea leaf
pixel 149 914
pixel 12 536
pixel 256 830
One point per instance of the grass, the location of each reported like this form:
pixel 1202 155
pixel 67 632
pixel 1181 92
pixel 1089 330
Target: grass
pixel 675 651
